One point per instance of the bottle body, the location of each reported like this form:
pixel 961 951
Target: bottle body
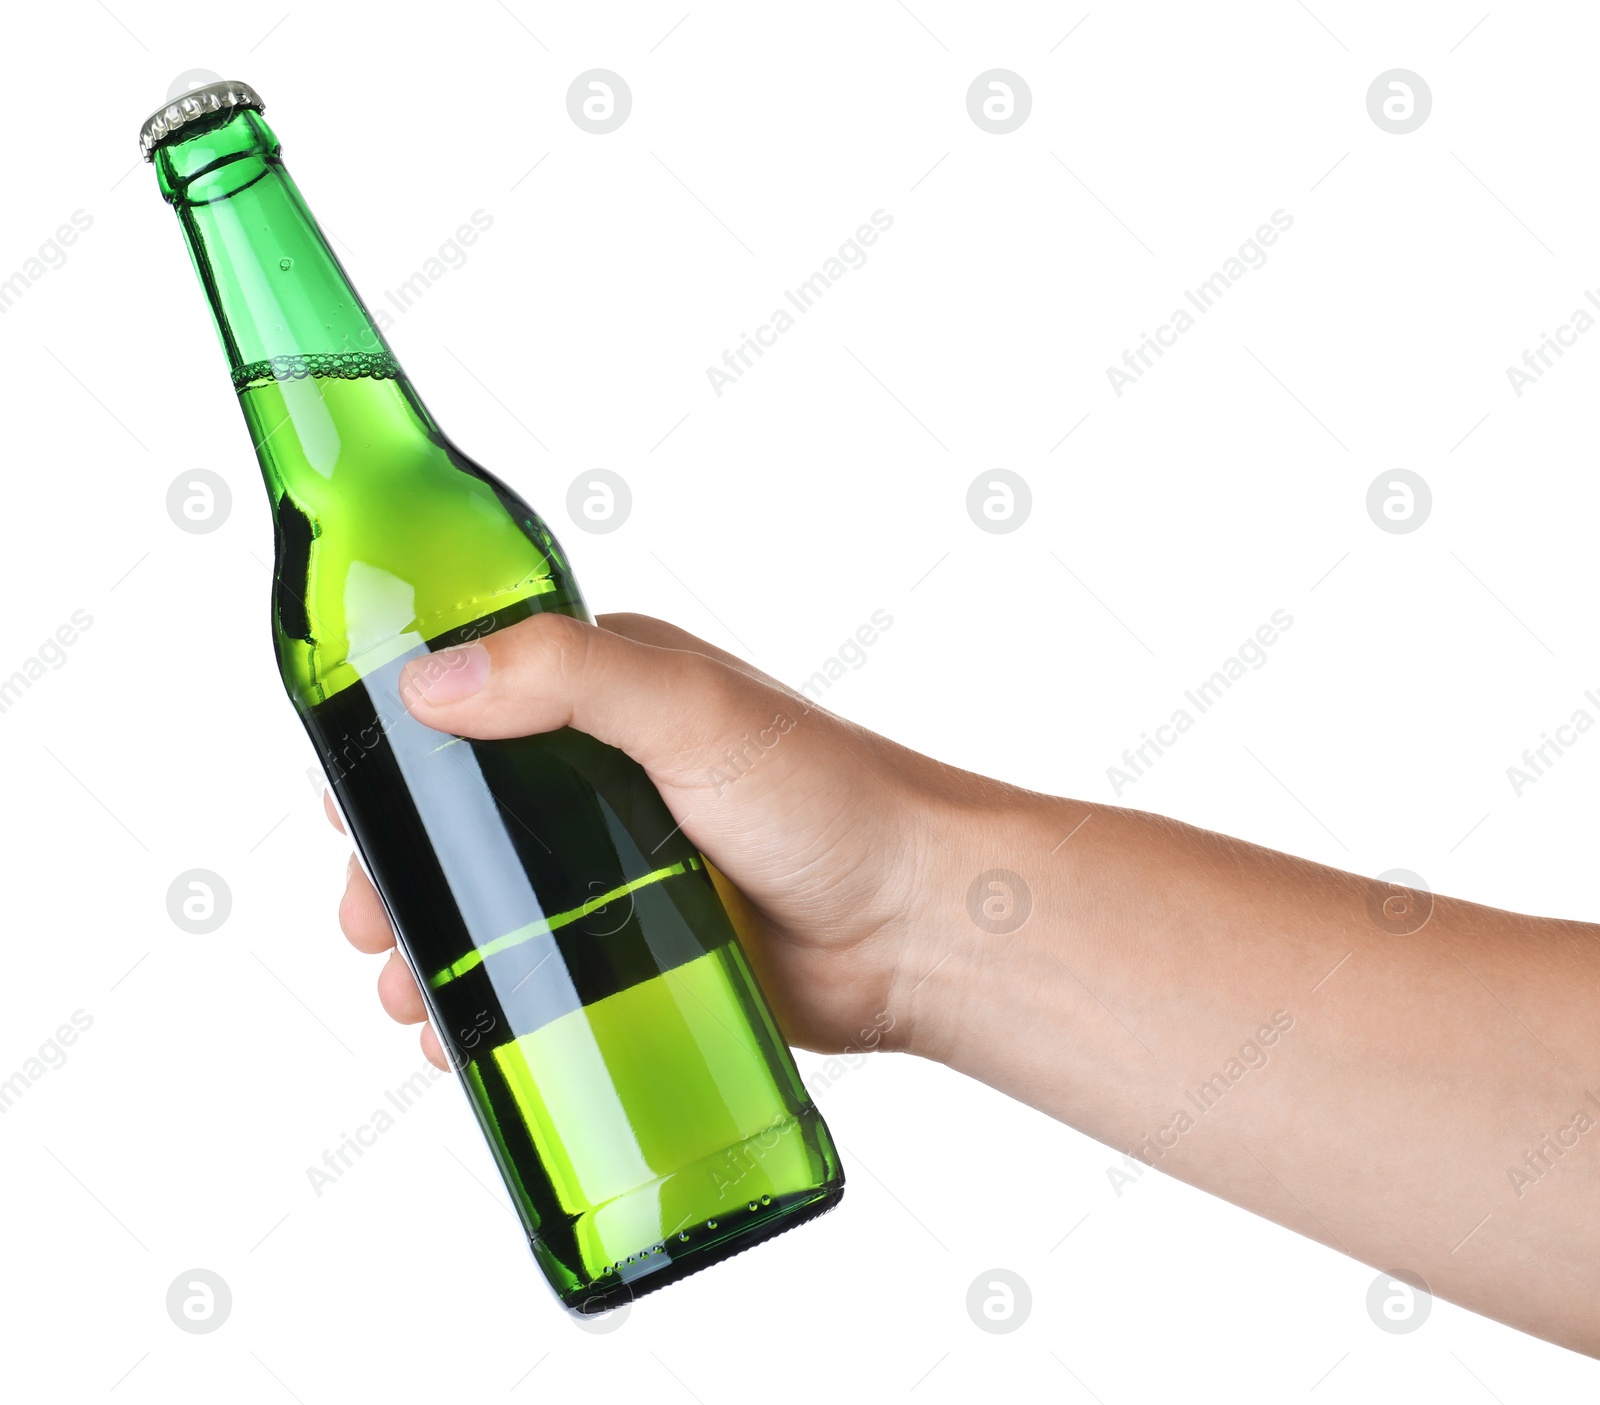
pixel 577 962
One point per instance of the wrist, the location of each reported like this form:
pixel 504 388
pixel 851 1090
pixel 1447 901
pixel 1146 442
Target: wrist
pixel 1000 912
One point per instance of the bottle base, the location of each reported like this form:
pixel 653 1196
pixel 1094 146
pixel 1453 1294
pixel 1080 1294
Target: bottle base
pixel 701 1248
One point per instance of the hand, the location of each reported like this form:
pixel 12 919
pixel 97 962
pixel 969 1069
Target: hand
pixel 1368 1086
pixel 818 830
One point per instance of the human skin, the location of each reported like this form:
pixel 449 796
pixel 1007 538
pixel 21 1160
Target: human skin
pixel 1365 1065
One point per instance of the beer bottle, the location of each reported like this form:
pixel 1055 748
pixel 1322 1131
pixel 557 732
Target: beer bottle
pixel 575 958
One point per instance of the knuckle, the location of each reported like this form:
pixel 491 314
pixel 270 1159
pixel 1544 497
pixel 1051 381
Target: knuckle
pixel 546 647
pixel 718 701
pixel 723 692
pixel 573 643
pixel 628 622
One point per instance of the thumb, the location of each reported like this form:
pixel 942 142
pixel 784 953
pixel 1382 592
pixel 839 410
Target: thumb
pixel 673 710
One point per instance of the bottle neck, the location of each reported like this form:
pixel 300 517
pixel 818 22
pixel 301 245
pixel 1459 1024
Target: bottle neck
pixel 278 295
pixel 388 538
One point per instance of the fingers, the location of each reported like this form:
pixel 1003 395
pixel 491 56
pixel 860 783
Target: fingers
pixel 646 629
pixel 361 914
pixel 398 993
pixel 366 925
pixel 431 1050
pixel 331 811
pixel 667 707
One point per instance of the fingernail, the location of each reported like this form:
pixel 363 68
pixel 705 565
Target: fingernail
pixel 448 675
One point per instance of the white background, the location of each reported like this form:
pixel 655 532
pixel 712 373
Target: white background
pixel 828 483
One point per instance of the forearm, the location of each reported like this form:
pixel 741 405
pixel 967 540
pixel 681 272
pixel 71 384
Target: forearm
pixel 1258 1026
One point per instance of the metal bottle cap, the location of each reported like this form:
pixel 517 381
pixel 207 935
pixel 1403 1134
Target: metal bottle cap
pixel 227 96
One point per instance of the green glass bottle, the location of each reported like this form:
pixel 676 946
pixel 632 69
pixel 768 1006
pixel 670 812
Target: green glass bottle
pixel 577 962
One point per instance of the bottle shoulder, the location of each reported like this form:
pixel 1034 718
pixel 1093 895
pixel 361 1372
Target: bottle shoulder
pixel 388 536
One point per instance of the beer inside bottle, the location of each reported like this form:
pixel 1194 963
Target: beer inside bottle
pixel 576 960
